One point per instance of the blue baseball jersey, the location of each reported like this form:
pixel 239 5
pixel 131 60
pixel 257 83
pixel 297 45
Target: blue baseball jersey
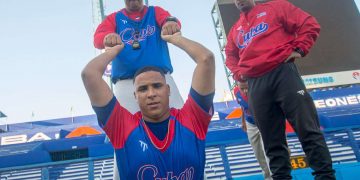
pixel 141 155
pixel 153 50
pixel 243 102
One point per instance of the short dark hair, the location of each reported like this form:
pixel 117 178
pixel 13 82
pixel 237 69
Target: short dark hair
pixel 147 69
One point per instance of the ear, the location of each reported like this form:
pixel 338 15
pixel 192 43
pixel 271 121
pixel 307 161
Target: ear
pixel 135 96
pixel 169 90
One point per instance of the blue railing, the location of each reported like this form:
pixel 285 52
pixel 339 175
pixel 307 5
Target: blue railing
pixel 87 168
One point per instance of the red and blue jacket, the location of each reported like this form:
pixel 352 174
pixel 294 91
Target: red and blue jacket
pixel 109 24
pixel 144 27
pixel 242 100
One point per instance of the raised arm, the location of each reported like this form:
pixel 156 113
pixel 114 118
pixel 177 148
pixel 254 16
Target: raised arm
pixel 203 81
pixel 97 89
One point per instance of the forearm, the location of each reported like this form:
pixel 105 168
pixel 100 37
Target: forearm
pixel 243 121
pixel 97 89
pixel 97 66
pixel 196 51
pixel 307 34
pixel 203 80
pixel 243 115
pixel 300 23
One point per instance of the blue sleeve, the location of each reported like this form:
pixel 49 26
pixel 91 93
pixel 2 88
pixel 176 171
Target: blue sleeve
pixel 103 113
pixel 241 101
pixel 205 102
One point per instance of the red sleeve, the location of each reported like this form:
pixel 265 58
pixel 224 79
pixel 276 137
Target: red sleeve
pixel 299 22
pixel 232 55
pixel 106 27
pixel 119 125
pixel 161 15
pixel 193 117
pixel 236 90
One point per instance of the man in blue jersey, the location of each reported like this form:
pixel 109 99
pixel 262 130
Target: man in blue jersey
pixel 158 142
pixel 139 27
pixel 249 126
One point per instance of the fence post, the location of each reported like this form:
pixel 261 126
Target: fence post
pixel 91 169
pixel 225 162
pixel 44 173
pixel 353 144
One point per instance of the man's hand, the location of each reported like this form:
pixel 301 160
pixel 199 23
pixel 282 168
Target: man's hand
pixel 115 49
pixel 293 55
pixel 170 28
pixel 111 40
pixel 173 39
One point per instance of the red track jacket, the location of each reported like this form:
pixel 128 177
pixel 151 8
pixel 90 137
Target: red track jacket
pixel 265 36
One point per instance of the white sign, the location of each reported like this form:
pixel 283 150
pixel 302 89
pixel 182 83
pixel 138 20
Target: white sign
pixel 337 101
pixel 331 79
pixel 16 139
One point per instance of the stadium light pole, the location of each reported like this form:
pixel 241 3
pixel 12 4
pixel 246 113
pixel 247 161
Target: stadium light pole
pixel 72 114
pixel 221 37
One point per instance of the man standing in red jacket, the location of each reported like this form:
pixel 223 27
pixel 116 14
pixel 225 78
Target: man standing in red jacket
pixel 262 47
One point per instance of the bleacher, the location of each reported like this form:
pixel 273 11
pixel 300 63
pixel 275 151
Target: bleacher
pixel 103 169
pixel 234 160
pixel 22 174
pixel 71 171
pixel 214 166
pixel 343 144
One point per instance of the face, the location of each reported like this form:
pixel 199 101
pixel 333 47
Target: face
pixel 243 86
pixel 134 5
pixel 152 94
pixel 244 5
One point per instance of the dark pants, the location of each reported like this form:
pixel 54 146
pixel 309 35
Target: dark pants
pixel 279 95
